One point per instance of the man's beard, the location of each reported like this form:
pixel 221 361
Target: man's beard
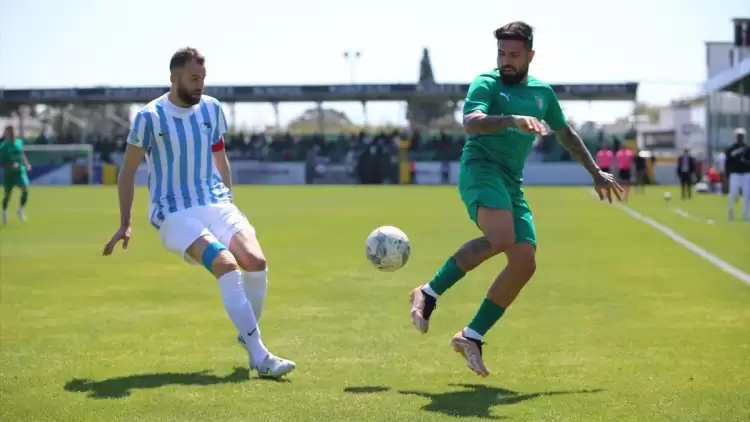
pixel 186 98
pixel 514 78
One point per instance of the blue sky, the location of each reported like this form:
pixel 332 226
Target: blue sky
pixel 54 43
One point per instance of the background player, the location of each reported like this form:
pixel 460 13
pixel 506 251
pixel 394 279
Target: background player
pixel 737 167
pixel 181 136
pixel 604 158
pixel 624 158
pixel 15 165
pixel 686 172
pixel 502 114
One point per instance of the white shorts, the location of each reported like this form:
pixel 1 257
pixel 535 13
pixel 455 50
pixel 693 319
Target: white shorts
pixel 183 228
pixel 739 182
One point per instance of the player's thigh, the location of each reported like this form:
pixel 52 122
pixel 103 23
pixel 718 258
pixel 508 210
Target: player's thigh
pixel 523 221
pixel 23 182
pixel 233 229
pixel 488 204
pixel 8 186
pixel 735 183
pixel 180 231
pixel 746 185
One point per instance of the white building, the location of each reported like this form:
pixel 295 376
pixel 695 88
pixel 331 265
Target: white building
pixel 726 93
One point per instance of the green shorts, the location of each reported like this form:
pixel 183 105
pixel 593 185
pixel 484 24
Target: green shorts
pixel 12 180
pixel 484 185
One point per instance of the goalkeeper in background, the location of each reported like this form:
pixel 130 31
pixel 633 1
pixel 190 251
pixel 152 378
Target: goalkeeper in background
pixel 15 166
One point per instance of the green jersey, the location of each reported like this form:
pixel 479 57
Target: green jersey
pixel 11 151
pixel 508 149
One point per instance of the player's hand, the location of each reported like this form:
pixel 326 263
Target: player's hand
pixel 15 165
pixel 530 125
pixel 123 233
pixel 605 184
pixel 28 167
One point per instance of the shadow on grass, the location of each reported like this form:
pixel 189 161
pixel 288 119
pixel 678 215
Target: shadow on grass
pixel 473 400
pixel 476 400
pixel 115 388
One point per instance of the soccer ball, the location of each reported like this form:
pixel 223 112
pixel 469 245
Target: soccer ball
pixel 387 248
pixel 667 196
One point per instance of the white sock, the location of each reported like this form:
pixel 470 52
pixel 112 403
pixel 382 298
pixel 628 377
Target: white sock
pixel 732 204
pixel 256 286
pixel 241 313
pixel 745 205
pixel 427 289
pixel 469 333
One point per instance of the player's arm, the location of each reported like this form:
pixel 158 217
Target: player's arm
pixel 577 148
pixel 568 137
pixel 126 181
pixel 222 163
pixel 218 147
pixel 139 141
pixel 26 160
pixel 476 106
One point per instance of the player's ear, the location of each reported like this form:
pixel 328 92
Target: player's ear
pixel 173 77
pixel 531 55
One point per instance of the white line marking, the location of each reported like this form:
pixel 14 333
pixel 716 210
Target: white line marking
pixel 718 262
pixel 686 214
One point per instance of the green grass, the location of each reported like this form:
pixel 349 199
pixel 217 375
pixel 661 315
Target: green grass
pixel 619 324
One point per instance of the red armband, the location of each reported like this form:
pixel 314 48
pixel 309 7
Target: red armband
pixel 219 146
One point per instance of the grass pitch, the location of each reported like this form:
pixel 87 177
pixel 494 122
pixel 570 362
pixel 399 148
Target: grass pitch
pixel 619 324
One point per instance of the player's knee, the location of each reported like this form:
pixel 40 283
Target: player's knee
pixel 246 249
pixel 523 261
pixel 251 262
pixel 500 241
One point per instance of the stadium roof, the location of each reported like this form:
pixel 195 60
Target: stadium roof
pixel 735 79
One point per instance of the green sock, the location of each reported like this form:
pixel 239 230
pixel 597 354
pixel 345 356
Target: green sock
pixel 6 199
pixel 446 276
pixel 24 197
pixel 487 315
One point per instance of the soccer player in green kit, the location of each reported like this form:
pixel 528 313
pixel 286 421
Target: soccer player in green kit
pixel 15 165
pixel 502 117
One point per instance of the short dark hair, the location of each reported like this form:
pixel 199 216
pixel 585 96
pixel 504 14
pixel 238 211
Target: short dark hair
pixel 518 31
pixel 184 56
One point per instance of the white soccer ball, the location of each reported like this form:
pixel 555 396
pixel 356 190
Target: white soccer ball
pixel 667 196
pixel 387 248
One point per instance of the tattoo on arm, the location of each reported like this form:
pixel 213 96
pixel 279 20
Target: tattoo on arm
pixel 473 253
pixel 478 123
pixel 575 146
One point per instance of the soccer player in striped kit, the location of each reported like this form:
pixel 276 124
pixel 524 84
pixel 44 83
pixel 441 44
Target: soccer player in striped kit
pixel 181 136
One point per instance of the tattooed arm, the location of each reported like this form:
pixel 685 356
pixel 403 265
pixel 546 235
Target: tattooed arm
pixel 577 148
pixel 604 183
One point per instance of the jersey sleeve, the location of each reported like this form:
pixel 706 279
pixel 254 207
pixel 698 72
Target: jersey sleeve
pixel 141 132
pixel 479 95
pixel 221 124
pixel 555 117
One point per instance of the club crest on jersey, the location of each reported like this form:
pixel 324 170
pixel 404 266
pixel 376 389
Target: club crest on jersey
pixel 539 103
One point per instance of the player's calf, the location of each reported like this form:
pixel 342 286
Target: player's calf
pixel 6 201
pixel 521 267
pixel 498 236
pixel 503 291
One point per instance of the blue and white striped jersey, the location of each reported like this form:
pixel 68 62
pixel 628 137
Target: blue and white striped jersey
pixel 178 141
